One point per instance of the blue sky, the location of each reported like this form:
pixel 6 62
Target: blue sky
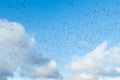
pixel 64 29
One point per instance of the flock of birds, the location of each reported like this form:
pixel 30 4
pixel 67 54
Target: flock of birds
pixel 78 30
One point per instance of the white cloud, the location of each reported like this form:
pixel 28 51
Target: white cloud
pixel 84 43
pixel 101 64
pixel 19 78
pixel 42 71
pixel 17 50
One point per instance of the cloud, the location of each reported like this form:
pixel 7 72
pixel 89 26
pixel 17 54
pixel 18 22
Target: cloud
pixel 18 55
pixel 84 43
pixel 19 78
pixel 101 64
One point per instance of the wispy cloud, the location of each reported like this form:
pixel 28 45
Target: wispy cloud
pixel 17 51
pixel 84 43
